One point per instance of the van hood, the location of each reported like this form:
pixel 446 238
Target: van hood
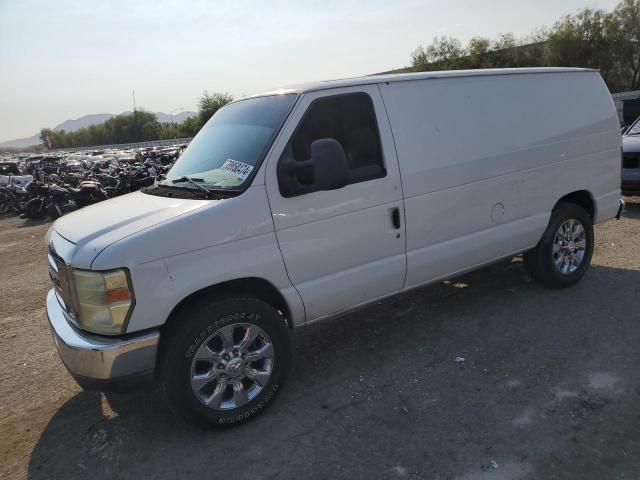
pixel 97 226
pixel 631 143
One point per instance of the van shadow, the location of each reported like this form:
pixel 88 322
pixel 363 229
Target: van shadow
pixel 377 386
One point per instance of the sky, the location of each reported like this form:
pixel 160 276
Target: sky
pixel 64 59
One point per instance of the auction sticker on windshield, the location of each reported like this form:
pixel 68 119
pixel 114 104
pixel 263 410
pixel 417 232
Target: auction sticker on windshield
pixel 239 169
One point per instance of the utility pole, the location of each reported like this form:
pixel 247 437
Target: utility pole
pixel 135 119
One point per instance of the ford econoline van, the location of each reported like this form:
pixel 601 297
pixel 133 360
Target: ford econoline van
pixel 304 203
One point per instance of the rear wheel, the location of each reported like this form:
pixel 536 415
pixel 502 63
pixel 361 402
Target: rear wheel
pixel 222 362
pixel 564 252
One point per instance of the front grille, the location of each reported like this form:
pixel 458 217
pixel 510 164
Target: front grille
pixel 59 273
pixel 631 160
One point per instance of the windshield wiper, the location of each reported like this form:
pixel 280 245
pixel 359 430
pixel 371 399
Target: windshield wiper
pixel 194 181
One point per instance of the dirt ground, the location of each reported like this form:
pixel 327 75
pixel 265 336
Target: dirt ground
pixel 549 387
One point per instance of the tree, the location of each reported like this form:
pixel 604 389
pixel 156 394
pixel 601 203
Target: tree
pixel 478 46
pixel 208 104
pixel 46 134
pixel 607 41
pixel 137 126
pixel 443 50
pixel 190 126
pixel 623 27
pixel 578 40
pixel 151 130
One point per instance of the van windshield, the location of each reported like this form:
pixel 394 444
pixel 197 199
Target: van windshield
pixel 232 144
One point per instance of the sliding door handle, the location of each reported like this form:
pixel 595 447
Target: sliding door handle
pixel 395 217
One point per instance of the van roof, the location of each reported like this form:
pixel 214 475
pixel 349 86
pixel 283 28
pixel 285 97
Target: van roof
pixel 402 77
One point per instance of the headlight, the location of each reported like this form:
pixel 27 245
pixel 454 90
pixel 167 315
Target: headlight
pixel 103 300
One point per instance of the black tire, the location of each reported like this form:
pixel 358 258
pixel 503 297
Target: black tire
pixel 540 261
pixel 192 326
pixel 33 209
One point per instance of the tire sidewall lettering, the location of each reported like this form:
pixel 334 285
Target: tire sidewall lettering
pixel 216 325
pixel 250 412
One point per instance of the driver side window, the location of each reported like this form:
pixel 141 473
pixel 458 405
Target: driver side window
pixel 349 119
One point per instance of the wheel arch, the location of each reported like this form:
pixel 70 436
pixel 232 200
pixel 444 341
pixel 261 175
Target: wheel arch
pixel 583 198
pixel 254 287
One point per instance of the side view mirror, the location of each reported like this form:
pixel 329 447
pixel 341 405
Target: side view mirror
pixel 327 169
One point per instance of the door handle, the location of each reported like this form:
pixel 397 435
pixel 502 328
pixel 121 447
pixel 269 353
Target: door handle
pixel 395 217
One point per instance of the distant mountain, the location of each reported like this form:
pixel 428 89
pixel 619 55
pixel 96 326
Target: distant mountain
pixel 87 120
pixel 177 117
pixel 82 122
pixel 165 117
pixel 21 142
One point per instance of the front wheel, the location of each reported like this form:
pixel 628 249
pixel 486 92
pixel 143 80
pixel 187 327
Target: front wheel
pixel 222 362
pixel 564 252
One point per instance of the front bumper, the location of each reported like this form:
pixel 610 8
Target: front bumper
pixel 100 362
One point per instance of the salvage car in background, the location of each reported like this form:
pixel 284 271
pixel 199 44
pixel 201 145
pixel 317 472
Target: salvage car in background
pixel 57 178
pixel 9 168
pixel 631 159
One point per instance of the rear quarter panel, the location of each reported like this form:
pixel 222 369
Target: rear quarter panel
pixel 485 159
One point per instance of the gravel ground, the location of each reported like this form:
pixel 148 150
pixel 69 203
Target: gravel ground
pixel 549 387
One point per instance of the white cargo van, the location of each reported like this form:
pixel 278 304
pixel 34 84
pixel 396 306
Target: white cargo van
pixel 303 203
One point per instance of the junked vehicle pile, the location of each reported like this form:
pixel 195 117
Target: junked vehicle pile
pixel 37 186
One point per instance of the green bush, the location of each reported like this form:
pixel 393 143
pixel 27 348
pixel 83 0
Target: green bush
pixel 608 41
pixel 138 126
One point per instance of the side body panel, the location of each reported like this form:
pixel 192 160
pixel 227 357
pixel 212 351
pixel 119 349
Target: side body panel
pixel 223 241
pixel 340 247
pixel 481 162
pixel 95 227
pixel 485 159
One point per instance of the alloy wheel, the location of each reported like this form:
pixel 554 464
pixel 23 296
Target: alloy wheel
pixel 569 245
pixel 232 366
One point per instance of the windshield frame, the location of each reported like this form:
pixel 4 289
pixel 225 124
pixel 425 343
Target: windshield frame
pixel 268 145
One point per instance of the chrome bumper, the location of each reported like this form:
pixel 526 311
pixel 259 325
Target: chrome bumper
pixel 94 359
